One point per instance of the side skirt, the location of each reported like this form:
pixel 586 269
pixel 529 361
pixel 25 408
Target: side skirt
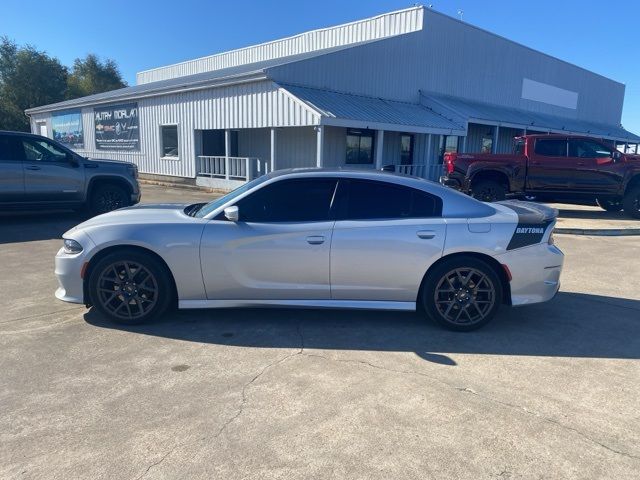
pixel 347 304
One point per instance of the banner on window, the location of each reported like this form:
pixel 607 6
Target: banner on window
pixel 117 127
pixel 67 129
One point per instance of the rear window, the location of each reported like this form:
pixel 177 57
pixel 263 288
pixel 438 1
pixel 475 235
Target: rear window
pixel 551 147
pixel 368 199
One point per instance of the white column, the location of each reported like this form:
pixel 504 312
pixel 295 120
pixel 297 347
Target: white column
pixel 430 149
pixel 379 148
pixel 227 151
pixel 273 149
pixel 494 143
pixel 319 146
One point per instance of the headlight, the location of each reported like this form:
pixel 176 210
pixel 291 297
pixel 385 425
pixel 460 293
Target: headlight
pixel 133 169
pixel 71 246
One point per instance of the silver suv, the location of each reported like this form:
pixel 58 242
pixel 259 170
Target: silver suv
pixel 37 172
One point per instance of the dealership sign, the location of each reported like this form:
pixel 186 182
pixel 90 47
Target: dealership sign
pixel 117 127
pixel 67 128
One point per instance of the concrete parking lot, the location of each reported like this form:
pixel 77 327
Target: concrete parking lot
pixel 546 391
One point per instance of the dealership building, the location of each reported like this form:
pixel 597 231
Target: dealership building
pixel 400 88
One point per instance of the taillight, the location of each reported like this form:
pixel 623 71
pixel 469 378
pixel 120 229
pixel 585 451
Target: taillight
pixel 449 162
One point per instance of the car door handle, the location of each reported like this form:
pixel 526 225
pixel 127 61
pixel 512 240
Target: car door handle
pixel 315 239
pixel 32 167
pixel 426 234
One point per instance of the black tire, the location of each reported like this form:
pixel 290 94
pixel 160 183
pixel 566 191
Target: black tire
pixel 631 202
pixel 120 290
pixel 108 197
pixel 609 205
pixel 445 301
pixel 488 191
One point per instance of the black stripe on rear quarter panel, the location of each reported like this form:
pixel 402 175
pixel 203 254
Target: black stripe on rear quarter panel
pixel 533 221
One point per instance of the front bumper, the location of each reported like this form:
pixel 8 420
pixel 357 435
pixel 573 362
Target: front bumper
pixel 69 269
pixel 535 272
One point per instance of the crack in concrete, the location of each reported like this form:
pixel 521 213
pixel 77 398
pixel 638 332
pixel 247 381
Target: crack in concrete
pixel 243 403
pixel 484 397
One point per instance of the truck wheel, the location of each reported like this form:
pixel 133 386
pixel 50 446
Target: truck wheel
pixel 107 197
pixel 488 191
pixel 609 205
pixel 461 294
pixel 631 202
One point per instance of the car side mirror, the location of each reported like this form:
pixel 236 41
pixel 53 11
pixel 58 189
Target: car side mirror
pixel 232 213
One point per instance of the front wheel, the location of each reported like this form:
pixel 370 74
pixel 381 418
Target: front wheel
pixel 106 198
pixel 609 205
pixel 488 191
pixel 462 294
pixel 130 287
pixel 631 202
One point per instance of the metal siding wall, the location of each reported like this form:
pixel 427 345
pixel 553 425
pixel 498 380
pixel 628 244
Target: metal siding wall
pixel 251 105
pixel 386 25
pixel 296 147
pixel 255 142
pixel 335 146
pixel 474 137
pixel 454 58
pixel 505 140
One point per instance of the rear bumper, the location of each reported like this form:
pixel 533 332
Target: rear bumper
pixel 535 272
pixel 450 182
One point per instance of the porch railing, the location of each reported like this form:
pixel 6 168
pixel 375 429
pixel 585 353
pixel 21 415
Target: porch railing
pixel 430 172
pixel 232 168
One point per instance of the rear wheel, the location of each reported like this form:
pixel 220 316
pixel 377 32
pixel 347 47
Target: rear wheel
pixel 130 287
pixel 631 202
pixel 488 191
pixel 462 294
pixel 108 197
pixel 609 205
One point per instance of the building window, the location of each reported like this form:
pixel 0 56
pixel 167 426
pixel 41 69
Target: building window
pixel 448 143
pixel 359 147
pixel 169 141
pixel 487 145
pixel 406 149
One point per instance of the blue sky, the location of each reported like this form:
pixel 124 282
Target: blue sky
pixel 142 34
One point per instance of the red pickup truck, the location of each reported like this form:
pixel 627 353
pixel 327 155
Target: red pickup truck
pixel 551 167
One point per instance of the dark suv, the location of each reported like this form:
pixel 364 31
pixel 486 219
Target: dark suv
pixel 37 172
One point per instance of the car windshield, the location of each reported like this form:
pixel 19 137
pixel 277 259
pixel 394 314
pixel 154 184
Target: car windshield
pixel 211 206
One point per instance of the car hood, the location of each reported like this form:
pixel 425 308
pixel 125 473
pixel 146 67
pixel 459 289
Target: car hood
pixel 139 215
pixel 105 161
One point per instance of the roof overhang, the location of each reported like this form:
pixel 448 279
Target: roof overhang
pixel 126 94
pixel 341 109
pixel 463 110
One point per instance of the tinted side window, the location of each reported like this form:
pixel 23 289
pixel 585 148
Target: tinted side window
pixel 305 200
pixel 379 200
pixel 551 147
pixel 7 148
pixel 42 150
pixel 587 149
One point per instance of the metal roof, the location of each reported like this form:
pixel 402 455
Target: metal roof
pixel 200 80
pixel 464 110
pixel 344 109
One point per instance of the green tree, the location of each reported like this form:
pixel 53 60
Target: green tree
pixel 90 75
pixel 28 78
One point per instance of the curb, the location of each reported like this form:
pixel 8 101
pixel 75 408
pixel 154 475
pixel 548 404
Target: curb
pixel 196 188
pixel 599 232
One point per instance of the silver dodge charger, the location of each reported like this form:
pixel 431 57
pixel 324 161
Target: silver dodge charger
pixel 316 238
